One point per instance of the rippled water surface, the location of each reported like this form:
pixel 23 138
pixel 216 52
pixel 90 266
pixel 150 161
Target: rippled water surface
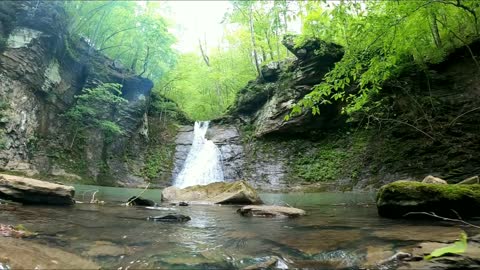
pixel 340 230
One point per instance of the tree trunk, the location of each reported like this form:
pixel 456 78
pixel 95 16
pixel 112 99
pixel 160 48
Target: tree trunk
pixel 145 63
pixel 269 43
pixel 254 47
pixel 434 29
pixel 134 62
pixel 204 54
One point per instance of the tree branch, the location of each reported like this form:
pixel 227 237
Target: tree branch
pixel 432 214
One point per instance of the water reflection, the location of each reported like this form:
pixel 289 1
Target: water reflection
pixel 337 232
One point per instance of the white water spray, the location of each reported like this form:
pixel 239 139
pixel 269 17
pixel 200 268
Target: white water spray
pixel 203 164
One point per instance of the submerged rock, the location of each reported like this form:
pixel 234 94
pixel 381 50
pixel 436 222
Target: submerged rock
pixel 32 191
pixel 470 259
pixel 139 201
pixel 17 232
pixel 270 211
pixel 400 232
pixel 21 254
pixel 105 248
pixel 434 180
pixel 401 197
pixel 238 192
pixel 170 218
pixel 273 262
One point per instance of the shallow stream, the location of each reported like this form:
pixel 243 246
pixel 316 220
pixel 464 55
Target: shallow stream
pixel 341 230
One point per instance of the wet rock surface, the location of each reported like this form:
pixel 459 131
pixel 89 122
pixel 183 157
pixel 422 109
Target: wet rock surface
pixel 22 254
pixel 105 248
pixel 170 218
pixel 33 191
pixel 139 201
pixel 238 192
pixel 270 211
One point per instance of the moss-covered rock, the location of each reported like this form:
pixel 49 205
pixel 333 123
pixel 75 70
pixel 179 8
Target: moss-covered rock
pixel 401 197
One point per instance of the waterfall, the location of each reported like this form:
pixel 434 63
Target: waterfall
pixel 203 164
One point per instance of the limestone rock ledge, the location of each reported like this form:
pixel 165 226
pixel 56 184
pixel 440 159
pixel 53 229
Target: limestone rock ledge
pixel 32 191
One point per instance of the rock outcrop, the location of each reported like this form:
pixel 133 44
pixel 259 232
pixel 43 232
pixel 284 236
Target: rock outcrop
pixel 265 102
pixel 238 192
pixel 42 69
pixel 432 115
pixel 32 191
pixel 401 197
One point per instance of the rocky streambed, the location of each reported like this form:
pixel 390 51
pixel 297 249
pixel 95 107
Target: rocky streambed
pixel 339 231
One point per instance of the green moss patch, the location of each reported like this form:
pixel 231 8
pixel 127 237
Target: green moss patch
pixel 401 197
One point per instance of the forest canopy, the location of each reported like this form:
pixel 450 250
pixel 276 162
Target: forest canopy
pixel 381 39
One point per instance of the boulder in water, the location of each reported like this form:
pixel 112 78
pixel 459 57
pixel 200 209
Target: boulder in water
pixel 401 197
pixel 238 192
pixel 170 218
pixel 270 211
pixel 33 191
pixel 139 201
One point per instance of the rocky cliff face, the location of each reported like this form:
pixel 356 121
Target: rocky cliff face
pixel 423 123
pixel 41 70
pixel 266 101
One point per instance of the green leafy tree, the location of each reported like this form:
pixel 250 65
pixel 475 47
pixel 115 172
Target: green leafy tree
pixel 127 31
pixel 381 40
pixel 97 108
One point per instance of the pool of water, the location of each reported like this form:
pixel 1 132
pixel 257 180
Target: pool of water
pixel 341 230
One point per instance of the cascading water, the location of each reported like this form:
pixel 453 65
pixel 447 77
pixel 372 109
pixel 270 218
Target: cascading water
pixel 203 164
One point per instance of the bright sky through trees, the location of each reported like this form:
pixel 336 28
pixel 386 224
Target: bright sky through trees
pixel 197 19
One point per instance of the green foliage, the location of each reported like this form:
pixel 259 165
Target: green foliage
pixel 458 247
pixel 158 160
pixel 340 158
pixel 204 92
pixel 163 107
pixel 97 108
pixel 127 31
pixel 381 40
pixel 204 84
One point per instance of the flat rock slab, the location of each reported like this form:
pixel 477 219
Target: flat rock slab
pixel 270 211
pixel 21 254
pixel 238 192
pixel 33 191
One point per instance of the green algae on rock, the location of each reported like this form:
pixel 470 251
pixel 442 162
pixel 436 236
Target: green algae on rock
pixel 401 197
